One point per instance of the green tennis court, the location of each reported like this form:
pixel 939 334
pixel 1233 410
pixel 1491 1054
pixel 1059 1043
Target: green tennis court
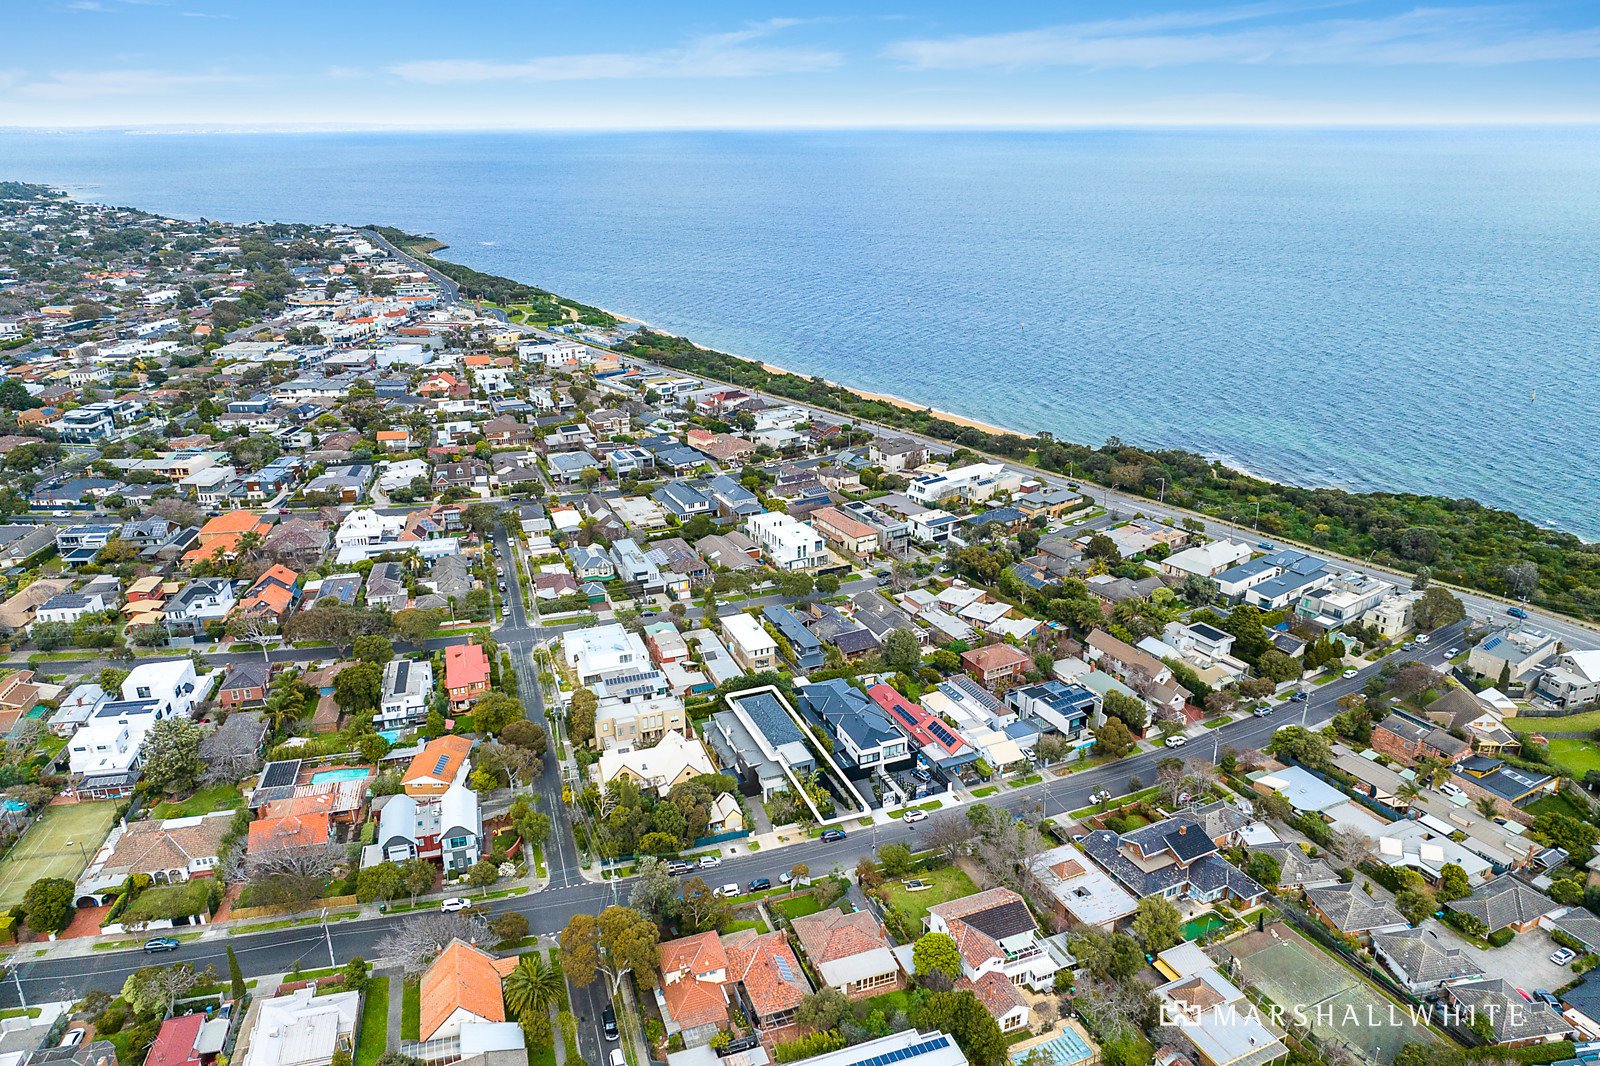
pixel 59 844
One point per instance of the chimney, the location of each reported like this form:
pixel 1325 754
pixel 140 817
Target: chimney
pixel 1183 829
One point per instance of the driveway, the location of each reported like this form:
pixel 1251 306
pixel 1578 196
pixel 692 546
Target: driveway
pixel 1525 962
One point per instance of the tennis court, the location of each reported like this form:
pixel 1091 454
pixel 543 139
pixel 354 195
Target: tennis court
pixel 1337 1004
pixel 59 844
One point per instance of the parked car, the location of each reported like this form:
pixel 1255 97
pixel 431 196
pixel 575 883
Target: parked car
pixel 454 903
pixel 831 835
pixel 921 774
pixel 618 1058
pixel 1349 674
pixel 1451 653
pixel 73 1038
pixel 1452 791
pixel 1177 740
pixel 1299 697
pixel 608 1022
pixel 160 943
pixel 1516 612
pixel 760 884
pixel 1562 956
pixel 914 816
pixel 1423 638
pixel 708 861
pixel 1103 796
pixel 727 891
pixel 678 867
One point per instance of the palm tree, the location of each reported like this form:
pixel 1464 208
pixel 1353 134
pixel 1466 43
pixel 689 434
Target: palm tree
pixel 531 987
pixel 1408 792
pixel 1486 807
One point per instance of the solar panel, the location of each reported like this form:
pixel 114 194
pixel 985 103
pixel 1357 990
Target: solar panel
pixel 783 968
pixel 438 767
pixel 277 774
pixel 904 715
pixel 402 675
pixel 945 736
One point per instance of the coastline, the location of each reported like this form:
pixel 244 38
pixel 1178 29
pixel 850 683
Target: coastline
pixel 894 401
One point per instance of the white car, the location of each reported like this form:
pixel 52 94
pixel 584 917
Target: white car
pixel 914 816
pixel 454 903
pixel 1176 741
pixel 1452 791
pixel 1451 653
pixel 1103 796
pixel 618 1058
pixel 727 891
pixel 708 861
pixel 1423 638
pixel 1349 673
pixel 1563 956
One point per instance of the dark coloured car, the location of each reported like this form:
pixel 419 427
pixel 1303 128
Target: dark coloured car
pixel 160 943
pixel 830 835
pixel 1516 612
pixel 760 884
pixel 608 1022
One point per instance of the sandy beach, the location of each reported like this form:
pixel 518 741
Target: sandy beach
pixel 898 401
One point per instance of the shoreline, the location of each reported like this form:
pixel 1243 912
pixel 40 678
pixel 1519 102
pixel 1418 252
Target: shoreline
pixel 893 400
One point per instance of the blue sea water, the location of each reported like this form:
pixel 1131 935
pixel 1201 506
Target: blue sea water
pixel 1399 310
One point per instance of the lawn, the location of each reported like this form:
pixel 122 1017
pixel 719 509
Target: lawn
pixel 59 844
pixel 798 907
pixel 932 805
pixel 374 1022
pixel 1556 803
pixel 1572 723
pixel 888 1003
pixel 754 923
pixel 985 791
pixel 1579 756
pixel 948 883
pixel 216 798
pixel 410 1010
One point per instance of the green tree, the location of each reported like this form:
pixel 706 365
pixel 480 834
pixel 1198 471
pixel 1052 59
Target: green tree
pixel 826 1009
pixel 47 905
pixel 1275 666
pixel 580 717
pixel 496 710
pixel 382 881
pixel 1437 607
pixel 355 974
pixel 357 688
pixel 895 859
pixel 531 987
pixel 1417 904
pixel 901 650
pixel 1129 710
pixel 482 874
pixel 236 986
pixel 795 585
pixel 509 927
pixel 373 648
pixel 172 755
pixel 1299 743
pixel 1263 869
pixel 961 1015
pixel 1157 924
pixel 1113 739
pixel 937 953
pixel 1453 883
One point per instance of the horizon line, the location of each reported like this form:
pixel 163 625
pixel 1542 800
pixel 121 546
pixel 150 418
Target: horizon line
pixel 200 129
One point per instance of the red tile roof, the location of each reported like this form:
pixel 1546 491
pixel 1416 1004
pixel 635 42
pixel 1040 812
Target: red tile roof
pixel 465 665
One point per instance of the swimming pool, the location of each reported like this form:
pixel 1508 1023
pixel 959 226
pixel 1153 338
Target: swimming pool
pixel 13 806
pixel 1064 1050
pixel 1204 925
pixel 348 773
pixel 391 735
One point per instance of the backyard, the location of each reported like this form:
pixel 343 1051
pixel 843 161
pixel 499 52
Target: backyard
pixel 59 844
pixel 946 884
pixel 1575 754
pixel 206 800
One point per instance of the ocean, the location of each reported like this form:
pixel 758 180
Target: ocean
pixel 1412 311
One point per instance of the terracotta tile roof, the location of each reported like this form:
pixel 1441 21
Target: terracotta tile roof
pixel 426 766
pixel 829 935
pixel 145 847
pixel 698 954
pixel 291 831
pixel 695 1003
pixel 998 995
pixel 174 1044
pixel 233 522
pixel 465 665
pixel 765 964
pixel 462 977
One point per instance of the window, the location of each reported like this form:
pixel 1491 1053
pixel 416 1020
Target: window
pixel 457 843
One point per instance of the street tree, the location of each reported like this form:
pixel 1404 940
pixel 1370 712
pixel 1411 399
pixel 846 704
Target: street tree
pixel 416 942
pixel 172 755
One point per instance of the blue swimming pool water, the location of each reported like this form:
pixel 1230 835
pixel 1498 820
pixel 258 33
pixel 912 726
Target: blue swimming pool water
pixel 13 806
pixel 391 735
pixel 349 773
pixel 1063 1050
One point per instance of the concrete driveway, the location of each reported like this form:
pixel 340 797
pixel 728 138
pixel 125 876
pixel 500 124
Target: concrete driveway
pixel 1525 962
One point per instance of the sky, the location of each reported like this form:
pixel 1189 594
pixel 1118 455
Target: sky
pixel 358 64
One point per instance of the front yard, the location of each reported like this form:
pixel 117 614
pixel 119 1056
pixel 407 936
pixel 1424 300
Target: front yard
pixel 947 884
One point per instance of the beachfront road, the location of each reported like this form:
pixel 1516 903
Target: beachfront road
pixel 548 911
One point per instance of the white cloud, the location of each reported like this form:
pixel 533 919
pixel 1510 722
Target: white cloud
pixel 94 84
pixel 1460 36
pixel 722 55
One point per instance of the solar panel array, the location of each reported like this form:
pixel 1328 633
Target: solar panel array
pixel 438 767
pixel 402 676
pixel 936 1044
pixel 783 968
pixel 284 772
pixel 904 716
pixel 943 734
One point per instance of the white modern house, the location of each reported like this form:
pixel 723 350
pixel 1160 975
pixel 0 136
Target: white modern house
pixel 106 752
pixel 594 653
pixel 786 542
pixel 406 688
pixel 303 1028
pixel 752 646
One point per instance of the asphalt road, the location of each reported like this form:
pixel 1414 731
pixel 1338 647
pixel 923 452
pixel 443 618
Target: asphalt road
pixel 549 910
